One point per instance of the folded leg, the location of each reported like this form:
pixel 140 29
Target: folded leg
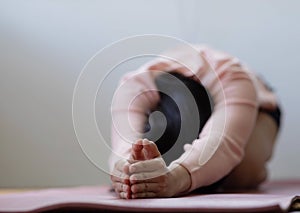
pixel 252 170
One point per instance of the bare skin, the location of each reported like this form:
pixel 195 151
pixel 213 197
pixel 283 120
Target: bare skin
pixel 145 174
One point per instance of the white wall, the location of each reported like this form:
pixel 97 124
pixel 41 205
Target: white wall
pixel 45 44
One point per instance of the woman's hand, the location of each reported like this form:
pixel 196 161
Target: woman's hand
pixel 141 150
pixel 120 179
pixel 150 177
pixel 146 175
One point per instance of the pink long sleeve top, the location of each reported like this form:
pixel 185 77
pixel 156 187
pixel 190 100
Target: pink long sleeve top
pixel 236 93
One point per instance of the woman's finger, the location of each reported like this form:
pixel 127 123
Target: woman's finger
pixel 143 195
pixel 121 187
pixel 124 180
pixel 150 149
pixel 136 151
pixel 118 176
pixel 125 195
pixel 147 166
pixel 146 187
pixel 149 177
pixel 121 166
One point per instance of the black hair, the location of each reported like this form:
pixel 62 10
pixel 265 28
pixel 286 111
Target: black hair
pixel 185 114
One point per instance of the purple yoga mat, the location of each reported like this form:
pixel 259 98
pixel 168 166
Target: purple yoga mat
pixel 272 197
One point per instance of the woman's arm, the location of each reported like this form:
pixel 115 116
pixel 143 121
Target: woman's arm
pixel 221 143
pixel 135 96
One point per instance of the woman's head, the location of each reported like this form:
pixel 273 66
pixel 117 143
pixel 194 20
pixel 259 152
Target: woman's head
pixel 186 107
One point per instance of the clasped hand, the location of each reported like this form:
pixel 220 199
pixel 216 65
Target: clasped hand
pixel 144 174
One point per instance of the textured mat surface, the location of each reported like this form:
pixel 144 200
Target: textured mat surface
pixel 277 196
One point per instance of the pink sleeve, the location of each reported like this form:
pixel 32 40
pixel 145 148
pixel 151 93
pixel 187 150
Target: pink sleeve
pixel 135 96
pixel 221 143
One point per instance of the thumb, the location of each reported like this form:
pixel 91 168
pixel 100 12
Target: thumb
pixel 150 149
pixel 137 150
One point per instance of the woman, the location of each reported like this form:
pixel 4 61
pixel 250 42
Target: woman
pixel 227 140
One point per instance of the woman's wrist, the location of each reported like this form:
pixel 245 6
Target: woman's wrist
pixel 181 179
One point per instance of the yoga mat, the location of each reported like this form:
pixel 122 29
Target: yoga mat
pixel 276 196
